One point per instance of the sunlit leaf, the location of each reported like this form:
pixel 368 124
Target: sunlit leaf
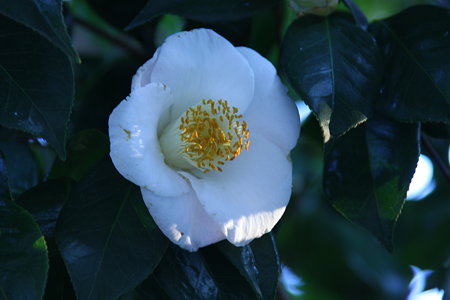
pixel 367 173
pixel 335 67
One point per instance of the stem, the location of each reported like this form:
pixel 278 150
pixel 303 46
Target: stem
pixel 279 11
pixel 435 157
pixel 130 49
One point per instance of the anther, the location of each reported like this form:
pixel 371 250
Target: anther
pixel 211 135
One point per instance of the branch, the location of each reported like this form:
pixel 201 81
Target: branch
pixel 120 42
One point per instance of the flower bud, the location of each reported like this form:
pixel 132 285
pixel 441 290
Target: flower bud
pixel 316 7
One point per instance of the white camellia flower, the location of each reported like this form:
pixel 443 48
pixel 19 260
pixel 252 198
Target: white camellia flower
pixel 206 133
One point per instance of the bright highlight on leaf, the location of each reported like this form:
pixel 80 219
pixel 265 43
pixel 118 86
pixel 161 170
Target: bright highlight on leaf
pixel 183 136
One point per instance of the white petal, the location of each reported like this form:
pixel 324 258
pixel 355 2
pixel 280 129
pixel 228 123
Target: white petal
pixel 135 149
pixel 200 64
pixel 183 220
pixel 249 197
pixel 142 76
pixel 272 112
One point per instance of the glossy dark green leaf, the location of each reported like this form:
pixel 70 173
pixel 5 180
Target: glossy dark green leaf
pixel 367 173
pixel 360 17
pixel 416 43
pixel 23 254
pixel 205 274
pixel 209 11
pixel 84 151
pixel 335 67
pixel 438 130
pixel 44 17
pixel 151 289
pixel 133 295
pixel 36 84
pixel 4 184
pixel 106 236
pixel 258 262
pixel 19 160
pixel 58 284
pixel 45 202
pixel 185 275
pixel 230 282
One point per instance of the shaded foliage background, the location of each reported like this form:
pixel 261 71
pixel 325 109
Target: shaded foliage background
pixel 379 88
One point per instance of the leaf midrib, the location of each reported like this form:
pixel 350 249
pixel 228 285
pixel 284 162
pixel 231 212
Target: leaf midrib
pixel 413 58
pixel 113 227
pixel 330 50
pixel 30 99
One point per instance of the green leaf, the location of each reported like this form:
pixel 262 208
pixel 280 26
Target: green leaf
pixel 358 14
pixel 258 262
pixel 106 236
pixel 44 17
pixel 86 149
pixel 19 160
pixel 23 254
pixel 36 85
pixel 183 275
pixel 367 173
pixel 437 130
pixel 205 274
pixel 45 202
pixel 4 184
pixel 58 285
pixel 209 11
pixel 168 25
pixel 416 44
pixel 335 67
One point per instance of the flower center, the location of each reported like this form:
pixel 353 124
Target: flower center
pixel 210 134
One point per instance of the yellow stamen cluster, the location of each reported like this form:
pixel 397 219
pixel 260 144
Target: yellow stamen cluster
pixel 212 133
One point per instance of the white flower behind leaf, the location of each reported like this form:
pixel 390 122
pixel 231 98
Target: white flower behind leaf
pixel 417 286
pixel 206 133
